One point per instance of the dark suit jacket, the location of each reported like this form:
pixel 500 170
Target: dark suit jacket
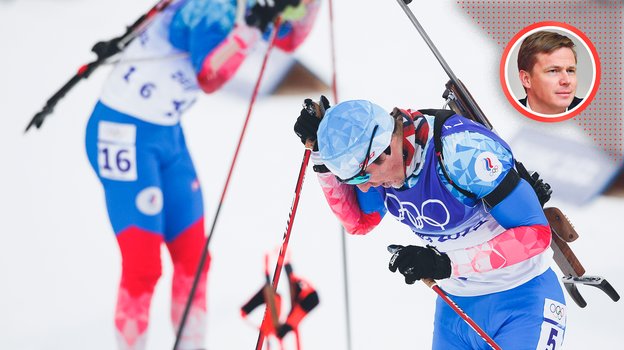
pixel 575 102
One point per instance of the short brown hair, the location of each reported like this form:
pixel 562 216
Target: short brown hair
pixel 541 42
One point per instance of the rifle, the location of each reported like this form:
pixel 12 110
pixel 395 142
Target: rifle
pixel 459 99
pixel 103 50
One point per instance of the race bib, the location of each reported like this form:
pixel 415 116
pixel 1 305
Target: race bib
pixel 117 151
pixel 553 327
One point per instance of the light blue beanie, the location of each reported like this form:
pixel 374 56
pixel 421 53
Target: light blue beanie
pixel 345 133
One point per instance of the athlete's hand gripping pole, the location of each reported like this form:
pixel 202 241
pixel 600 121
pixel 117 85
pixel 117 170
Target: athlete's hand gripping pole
pixel 433 285
pixel 265 12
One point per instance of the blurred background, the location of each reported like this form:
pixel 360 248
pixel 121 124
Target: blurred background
pixel 59 262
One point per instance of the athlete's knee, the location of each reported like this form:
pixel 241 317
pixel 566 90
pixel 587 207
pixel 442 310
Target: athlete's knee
pixel 141 266
pixel 139 282
pixel 187 248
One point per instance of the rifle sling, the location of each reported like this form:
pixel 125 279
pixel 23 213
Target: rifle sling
pixel 510 181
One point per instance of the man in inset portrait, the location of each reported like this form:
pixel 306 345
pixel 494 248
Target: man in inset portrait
pixel 547 70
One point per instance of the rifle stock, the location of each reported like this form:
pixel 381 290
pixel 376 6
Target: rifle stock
pixel 562 233
pixel 459 99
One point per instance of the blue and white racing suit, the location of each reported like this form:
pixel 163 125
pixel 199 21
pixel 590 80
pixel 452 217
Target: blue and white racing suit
pixel 499 256
pixel 136 146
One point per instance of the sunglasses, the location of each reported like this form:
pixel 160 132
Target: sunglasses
pixel 361 176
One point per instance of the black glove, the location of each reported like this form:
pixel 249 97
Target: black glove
pixel 416 262
pixel 265 12
pixel 309 119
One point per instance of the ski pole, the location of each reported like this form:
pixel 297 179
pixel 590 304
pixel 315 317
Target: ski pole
pixel 343 239
pixel 286 238
pixel 333 51
pixel 202 260
pixel 104 50
pixel 433 285
pixel 269 297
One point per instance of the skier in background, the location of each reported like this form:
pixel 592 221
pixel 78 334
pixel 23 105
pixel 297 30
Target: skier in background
pixel 483 233
pixel 136 146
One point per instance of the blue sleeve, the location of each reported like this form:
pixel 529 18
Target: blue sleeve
pixel 520 208
pixel 370 201
pixel 199 26
pixel 476 162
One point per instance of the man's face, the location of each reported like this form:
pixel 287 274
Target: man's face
pixel 387 170
pixel 551 84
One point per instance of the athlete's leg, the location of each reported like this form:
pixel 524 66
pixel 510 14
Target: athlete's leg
pixel 185 237
pixel 530 316
pixel 448 329
pixel 185 253
pixel 140 252
pixel 539 323
pixel 128 170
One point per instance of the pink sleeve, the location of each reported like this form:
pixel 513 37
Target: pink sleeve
pixel 508 248
pixel 300 28
pixel 343 202
pixel 223 62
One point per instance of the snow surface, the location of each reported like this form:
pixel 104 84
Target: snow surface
pixel 59 263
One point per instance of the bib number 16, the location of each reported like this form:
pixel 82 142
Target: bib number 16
pixel 117 162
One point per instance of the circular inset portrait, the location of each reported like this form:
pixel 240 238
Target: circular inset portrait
pixel 550 71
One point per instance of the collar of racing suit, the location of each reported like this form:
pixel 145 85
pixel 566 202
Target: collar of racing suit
pixel 416 134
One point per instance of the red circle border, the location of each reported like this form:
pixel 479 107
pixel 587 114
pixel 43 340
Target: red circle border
pixel 586 101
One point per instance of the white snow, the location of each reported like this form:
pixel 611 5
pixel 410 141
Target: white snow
pixel 59 263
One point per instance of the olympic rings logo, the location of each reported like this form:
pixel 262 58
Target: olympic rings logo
pixel 414 215
pixel 557 310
